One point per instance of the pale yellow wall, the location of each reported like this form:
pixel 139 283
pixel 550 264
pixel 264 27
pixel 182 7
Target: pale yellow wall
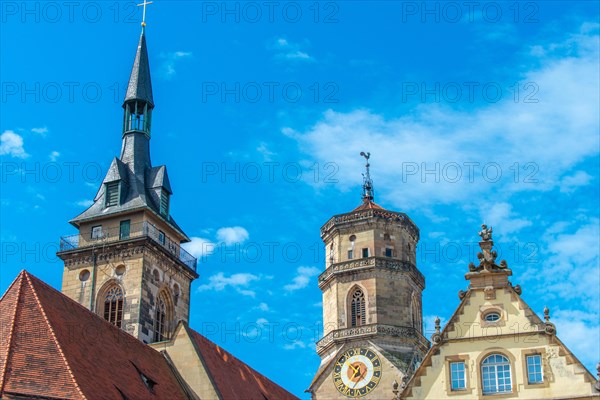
pixel 183 354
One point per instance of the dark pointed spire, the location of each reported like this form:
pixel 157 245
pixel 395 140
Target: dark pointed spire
pixel 140 84
pixel 368 192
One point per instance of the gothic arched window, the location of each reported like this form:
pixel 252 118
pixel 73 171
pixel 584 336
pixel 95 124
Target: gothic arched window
pixel 415 310
pixel 357 308
pixel 113 306
pixel 160 320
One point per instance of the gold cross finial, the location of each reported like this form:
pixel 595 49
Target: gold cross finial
pixel 144 4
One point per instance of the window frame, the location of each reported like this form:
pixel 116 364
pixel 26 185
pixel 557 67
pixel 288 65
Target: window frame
pixel 545 370
pixel 96 232
pixel 459 358
pixel 107 194
pixel 351 254
pixel 164 202
pixel 125 222
pixel 363 251
pixel 388 252
pixel 161 237
pixel 162 316
pixel 113 308
pixel 357 315
pixel 461 378
pixel 511 378
pixel 535 372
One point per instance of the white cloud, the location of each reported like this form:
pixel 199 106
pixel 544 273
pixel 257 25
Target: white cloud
pixel 265 151
pixel 84 203
pixel 302 279
pixel 287 50
pixel 54 156
pixel 579 332
pixel 263 307
pixel 40 131
pixel 232 235
pixel 571 182
pixel 167 69
pixel 239 282
pixel 11 143
pixel 296 344
pixel 199 247
pixel 502 215
pixel 531 149
pixel 571 264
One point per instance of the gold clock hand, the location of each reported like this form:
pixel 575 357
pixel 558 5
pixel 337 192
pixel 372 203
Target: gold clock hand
pixel 354 369
pixel 360 378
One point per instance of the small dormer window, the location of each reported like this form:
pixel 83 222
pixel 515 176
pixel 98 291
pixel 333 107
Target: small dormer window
pixel 164 202
pixel 112 194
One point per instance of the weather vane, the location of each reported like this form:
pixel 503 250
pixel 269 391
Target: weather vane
pixel 144 4
pixel 367 181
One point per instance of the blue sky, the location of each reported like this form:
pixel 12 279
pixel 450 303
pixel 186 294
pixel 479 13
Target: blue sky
pixel 489 114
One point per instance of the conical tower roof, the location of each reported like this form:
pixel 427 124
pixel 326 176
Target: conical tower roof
pixel 140 84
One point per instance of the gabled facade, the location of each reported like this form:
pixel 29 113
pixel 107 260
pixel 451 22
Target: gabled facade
pixel 126 263
pixel 495 346
pixel 212 372
pixel 372 313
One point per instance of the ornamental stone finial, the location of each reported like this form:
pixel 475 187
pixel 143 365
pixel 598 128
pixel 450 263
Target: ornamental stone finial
pixel 436 338
pixel 597 385
pixel 549 328
pixel 485 233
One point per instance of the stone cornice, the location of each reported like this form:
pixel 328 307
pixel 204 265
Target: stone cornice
pixel 363 215
pixel 405 334
pixel 371 264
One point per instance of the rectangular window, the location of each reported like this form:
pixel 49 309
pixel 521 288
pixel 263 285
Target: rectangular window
pixel 161 237
pixel 164 202
pixel 350 254
pixel 388 252
pixel 534 369
pixel 457 376
pixel 124 229
pixel 112 194
pixel 97 232
pixel 365 253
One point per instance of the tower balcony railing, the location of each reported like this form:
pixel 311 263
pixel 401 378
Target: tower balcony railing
pixel 98 238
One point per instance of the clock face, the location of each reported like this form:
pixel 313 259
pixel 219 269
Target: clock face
pixel 357 372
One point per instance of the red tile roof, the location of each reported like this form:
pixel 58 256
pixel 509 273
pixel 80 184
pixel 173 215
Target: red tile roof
pixel 233 379
pixel 368 205
pixel 51 346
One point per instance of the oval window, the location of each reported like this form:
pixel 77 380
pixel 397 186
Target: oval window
pixel 84 275
pixel 492 316
pixel 352 238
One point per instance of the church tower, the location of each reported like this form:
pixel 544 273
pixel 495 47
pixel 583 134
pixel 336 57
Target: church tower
pixel 126 263
pixel 372 314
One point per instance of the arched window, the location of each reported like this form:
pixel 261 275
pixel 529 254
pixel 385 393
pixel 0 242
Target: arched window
pixel 495 374
pixel 160 319
pixel 113 306
pixel 357 308
pixel 415 311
